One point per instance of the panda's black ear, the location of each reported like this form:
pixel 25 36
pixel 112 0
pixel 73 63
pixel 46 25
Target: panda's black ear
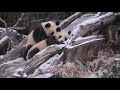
pixel 58 29
pixel 57 23
pixel 69 32
pixel 47 25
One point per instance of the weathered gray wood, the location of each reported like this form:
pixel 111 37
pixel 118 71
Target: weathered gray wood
pixel 84 51
pixel 46 65
pixel 15 52
pixel 70 19
pixel 4 41
pixel 40 58
pixel 91 27
pixel 8 68
pixel 80 40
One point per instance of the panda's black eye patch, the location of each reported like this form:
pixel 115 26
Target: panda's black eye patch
pixel 47 25
pixel 52 33
pixel 60 36
pixel 58 29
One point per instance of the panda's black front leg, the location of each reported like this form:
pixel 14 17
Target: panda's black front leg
pixel 26 51
pixel 39 34
pixel 33 52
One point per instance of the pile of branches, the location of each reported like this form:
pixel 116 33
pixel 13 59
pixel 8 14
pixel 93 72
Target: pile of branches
pixel 91 34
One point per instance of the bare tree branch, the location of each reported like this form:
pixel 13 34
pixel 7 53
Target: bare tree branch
pixel 5 24
pixel 18 21
pixel 9 30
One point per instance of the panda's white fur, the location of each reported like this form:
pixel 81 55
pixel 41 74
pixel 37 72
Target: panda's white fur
pixel 47 42
pixel 52 28
pixel 62 36
pixel 44 30
pixel 30 39
pixel 41 45
pixel 48 32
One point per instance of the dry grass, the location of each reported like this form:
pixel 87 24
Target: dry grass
pixel 68 70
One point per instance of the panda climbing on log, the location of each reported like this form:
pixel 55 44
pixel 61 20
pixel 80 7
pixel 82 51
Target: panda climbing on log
pixel 44 30
pixel 58 38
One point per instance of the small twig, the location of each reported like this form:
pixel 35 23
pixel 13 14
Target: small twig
pixel 17 21
pixel 5 24
pixel 8 31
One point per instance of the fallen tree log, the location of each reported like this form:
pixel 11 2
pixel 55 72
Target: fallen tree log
pixel 4 45
pixel 15 52
pixel 8 68
pixel 93 24
pixel 79 20
pixel 88 27
pixel 46 65
pixel 43 67
pixel 85 51
pixel 40 58
pixel 4 41
pixel 70 19
pixel 80 40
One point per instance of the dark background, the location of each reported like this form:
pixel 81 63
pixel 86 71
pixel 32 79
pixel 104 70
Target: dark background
pixel 12 17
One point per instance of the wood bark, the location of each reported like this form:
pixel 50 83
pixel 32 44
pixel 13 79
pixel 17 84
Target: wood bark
pixel 84 51
pixel 70 19
pixel 41 58
pixel 15 52
pixel 91 27
pixel 4 41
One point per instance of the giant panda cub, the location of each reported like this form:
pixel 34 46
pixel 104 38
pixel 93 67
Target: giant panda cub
pixel 40 33
pixel 62 36
pixel 58 38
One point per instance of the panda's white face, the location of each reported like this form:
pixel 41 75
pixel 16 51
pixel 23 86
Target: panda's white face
pixel 50 27
pixel 62 36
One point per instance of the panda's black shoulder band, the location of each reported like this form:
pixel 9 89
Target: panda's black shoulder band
pixel 39 34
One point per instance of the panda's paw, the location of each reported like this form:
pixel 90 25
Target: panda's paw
pixel 33 52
